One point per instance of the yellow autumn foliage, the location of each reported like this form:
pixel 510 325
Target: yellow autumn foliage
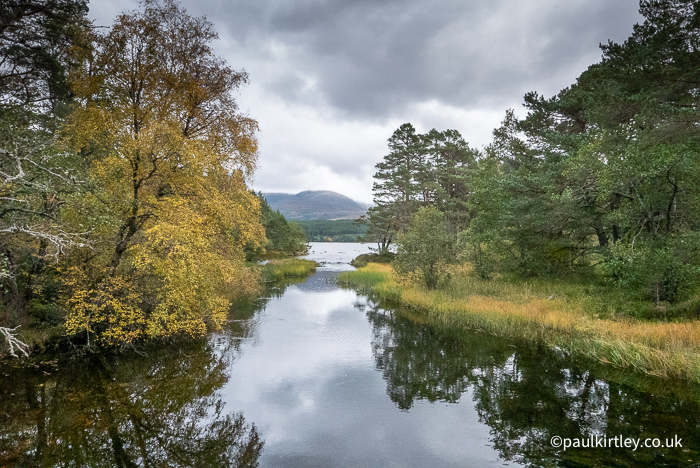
pixel 108 313
pixel 168 155
pixel 195 253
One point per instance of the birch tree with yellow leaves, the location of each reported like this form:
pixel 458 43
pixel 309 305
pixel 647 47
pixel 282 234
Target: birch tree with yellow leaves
pixel 168 154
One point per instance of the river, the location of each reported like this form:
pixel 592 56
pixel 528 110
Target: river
pixel 311 374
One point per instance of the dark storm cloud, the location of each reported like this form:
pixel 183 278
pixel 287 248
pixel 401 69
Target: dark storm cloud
pixel 373 58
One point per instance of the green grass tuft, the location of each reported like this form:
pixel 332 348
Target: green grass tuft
pixel 276 270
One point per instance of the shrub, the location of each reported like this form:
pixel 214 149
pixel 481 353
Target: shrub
pixel 662 273
pixel 425 249
pixel 364 259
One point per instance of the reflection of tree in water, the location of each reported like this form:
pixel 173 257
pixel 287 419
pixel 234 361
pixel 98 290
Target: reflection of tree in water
pixel 157 410
pixel 242 320
pixel 242 323
pixel 527 395
pixel 407 354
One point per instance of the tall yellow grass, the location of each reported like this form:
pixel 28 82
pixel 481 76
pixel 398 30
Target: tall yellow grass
pixel 661 348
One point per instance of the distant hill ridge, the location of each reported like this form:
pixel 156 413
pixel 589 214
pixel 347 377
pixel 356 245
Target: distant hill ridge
pixel 315 204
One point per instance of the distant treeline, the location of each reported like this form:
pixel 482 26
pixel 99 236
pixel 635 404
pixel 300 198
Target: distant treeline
pixel 284 237
pixel 340 230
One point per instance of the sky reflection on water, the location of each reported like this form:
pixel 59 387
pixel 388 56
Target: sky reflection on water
pixel 311 385
pixel 325 377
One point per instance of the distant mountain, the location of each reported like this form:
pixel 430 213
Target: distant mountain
pixel 322 204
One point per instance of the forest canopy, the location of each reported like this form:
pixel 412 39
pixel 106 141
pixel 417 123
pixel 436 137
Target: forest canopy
pixel 601 178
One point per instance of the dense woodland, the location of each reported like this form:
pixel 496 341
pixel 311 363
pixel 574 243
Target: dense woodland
pixel 600 180
pixel 336 230
pixel 283 237
pixel 125 212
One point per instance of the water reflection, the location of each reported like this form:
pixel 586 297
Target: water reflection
pixel 336 256
pixel 160 409
pixel 307 378
pixel 527 395
pixel 330 378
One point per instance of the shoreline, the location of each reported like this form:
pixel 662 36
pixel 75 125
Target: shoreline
pixel 52 342
pixel 664 349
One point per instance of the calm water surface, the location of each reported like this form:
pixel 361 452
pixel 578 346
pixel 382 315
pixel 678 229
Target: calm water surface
pixel 314 375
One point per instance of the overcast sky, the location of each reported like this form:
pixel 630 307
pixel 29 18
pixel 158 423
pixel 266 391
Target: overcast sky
pixel 330 80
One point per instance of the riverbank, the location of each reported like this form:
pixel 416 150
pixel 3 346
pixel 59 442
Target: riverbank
pixel 667 349
pixel 48 339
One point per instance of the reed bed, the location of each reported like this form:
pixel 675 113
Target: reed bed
pixel 529 311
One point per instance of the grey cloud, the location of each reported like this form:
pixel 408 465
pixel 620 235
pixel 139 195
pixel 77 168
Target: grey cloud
pixel 331 79
pixel 372 58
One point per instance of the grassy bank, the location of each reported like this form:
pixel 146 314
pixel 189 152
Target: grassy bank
pixel 362 260
pixel 288 268
pixel 574 318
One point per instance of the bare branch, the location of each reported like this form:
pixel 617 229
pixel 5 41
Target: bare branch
pixel 60 240
pixel 13 342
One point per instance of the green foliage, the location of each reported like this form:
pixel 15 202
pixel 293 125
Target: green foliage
pixel 447 176
pixel 337 230
pixel 381 225
pixel 38 177
pixel 477 250
pixel 125 167
pixel 285 237
pixel 435 168
pixel 425 249
pixel 608 163
pixel 395 190
pixel 36 38
pixel 603 173
pixel 362 260
pixel 667 273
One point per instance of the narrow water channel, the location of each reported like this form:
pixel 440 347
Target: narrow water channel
pixel 311 374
